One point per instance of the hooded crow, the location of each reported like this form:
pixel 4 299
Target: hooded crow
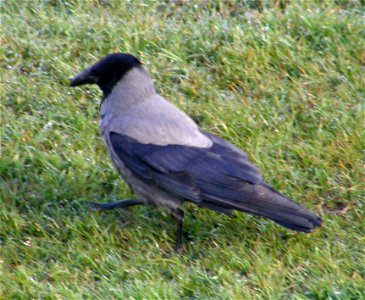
pixel 167 159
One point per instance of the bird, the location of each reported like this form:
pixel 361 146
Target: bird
pixel 166 159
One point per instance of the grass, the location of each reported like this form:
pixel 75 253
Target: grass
pixel 283 80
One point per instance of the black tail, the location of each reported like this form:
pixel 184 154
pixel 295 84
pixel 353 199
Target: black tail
pixel 262 200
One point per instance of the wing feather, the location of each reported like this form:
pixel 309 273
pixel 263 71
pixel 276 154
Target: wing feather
pixel 219 177
pixel 188 172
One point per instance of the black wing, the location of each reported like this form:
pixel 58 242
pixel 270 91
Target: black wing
pixel 219 178
pixel 188 172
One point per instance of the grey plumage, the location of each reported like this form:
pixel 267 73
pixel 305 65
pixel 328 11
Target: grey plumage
pixel 166 159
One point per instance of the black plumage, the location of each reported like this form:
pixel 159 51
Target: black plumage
pixel 220 178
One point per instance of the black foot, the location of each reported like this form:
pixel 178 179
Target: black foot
pixel 116 204
pixel 179 217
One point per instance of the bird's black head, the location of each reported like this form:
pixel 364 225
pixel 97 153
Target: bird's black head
pixel 107 72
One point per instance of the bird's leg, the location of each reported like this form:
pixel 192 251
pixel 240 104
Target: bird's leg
pixel 116 204
pixel 179 217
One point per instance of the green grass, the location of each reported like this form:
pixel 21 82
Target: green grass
pixel 285 83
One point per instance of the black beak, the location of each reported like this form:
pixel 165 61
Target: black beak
pixel 85 77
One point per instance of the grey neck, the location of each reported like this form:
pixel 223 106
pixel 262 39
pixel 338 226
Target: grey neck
pixel 134 88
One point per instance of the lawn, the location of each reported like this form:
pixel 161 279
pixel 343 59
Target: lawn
pixel 283 80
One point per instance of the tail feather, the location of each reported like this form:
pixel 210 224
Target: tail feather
pixel 262 200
